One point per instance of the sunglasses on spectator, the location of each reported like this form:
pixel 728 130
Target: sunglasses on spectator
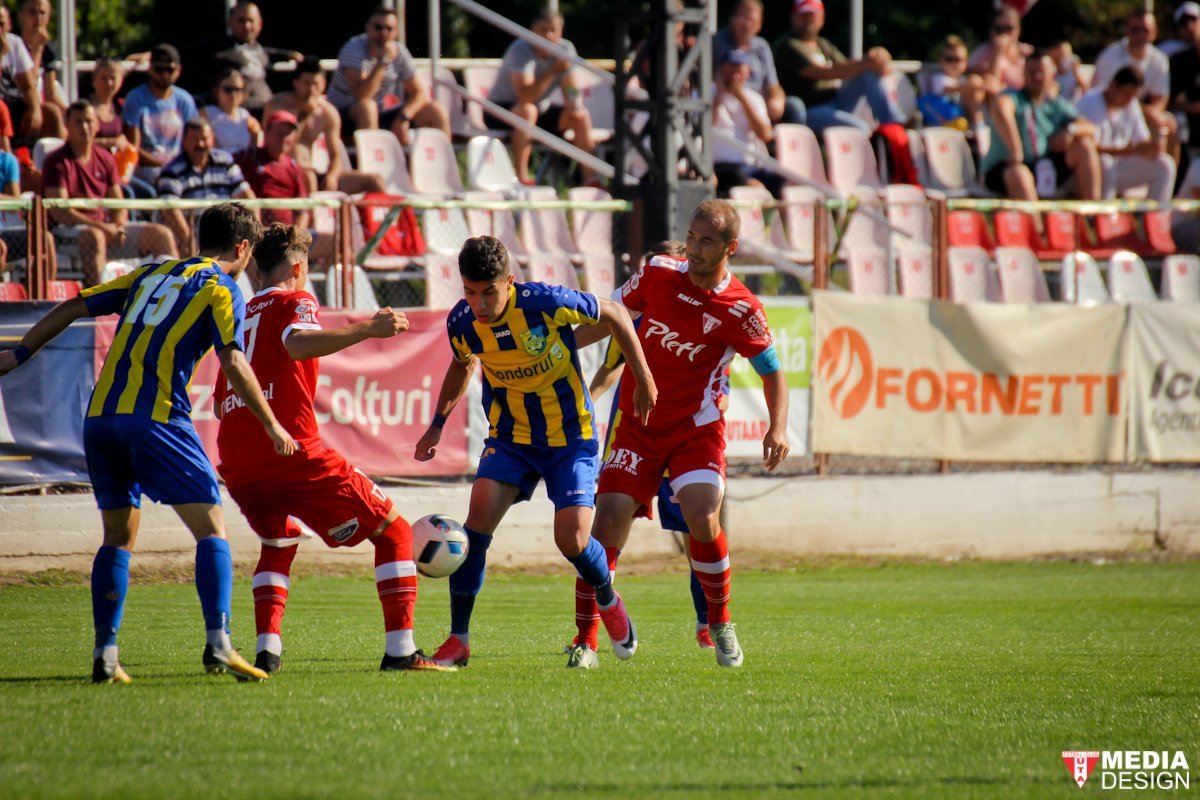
pixel 1139 30
pixel 233 89
pixel 952 59
pixel 1002 29
pixel 163 67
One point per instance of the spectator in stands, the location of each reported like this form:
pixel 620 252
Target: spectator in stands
pixel 1035 132
pixel 318 118
pixel 18 87
pixel 155 112
pixel 80 169
pixel 828 83
pixel 1186 16
pixel 739 114
pixel 232 125
pixel 946 94
pixel 199 172
pixel 6 128
pixel 1130 154
pixel 742 34
pixel 271 170
pixel 240 49
pixel 1000 61
pixel 1185 86
pixel 33 19
pixel 527 78
pixel 376 84
pixel 1137 49
pixel 107 76
pixel 1072 83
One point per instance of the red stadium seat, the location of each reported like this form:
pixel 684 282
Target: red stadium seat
pixel 1158 233
pixel 63 290
pixel 10 291
pixel 1067 231
pixel 1119 231
pixel 969 229
pixel 1018 229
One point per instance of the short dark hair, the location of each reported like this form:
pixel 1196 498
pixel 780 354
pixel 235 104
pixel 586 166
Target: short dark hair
pixel 722 215
pixel 383 11
pixel 547 13
pixel 228 72
pixel 672 248
pixel 1127 75
pixel 224 226
pixel 483 258
pixel 79 106
pixel 164 53
pixel 197 123
pixel 281 244
pixel 310 65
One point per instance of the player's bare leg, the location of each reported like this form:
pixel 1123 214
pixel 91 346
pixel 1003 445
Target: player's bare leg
pixel 490 501
pixel 110 585
pixel 214 584
pixel 701 507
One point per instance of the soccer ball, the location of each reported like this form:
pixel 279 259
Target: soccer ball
pixel 439 545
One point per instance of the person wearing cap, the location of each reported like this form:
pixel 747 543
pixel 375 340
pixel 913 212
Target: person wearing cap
pixel 1185 19
pixel 199 172
pixel 742 34
pixel 376 83
pixel 155 113
pixel 812 69
pixel 739 114
pixel 1136 49
pixel 271 170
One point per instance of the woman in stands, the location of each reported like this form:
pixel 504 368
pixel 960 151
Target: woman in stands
pixel 107 77
pixel 234 127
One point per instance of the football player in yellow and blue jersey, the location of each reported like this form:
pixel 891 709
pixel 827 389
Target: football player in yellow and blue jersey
pixel 138 436
pixel 540 423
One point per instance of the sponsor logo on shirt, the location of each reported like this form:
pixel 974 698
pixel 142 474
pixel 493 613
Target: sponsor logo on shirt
pixel 756 326
pixel 670 340
pixel 502 334
pixel 624 460
pixel 344 531
pixel 689 300
pixel 710 322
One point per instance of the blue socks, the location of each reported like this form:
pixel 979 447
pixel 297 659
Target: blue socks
pixel 592 566
pixel 466 582
pixel 214 582
pixel 698 600
pixel 110 584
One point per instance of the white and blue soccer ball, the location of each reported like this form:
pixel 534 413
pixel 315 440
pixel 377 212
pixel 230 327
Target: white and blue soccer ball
pixel 439 545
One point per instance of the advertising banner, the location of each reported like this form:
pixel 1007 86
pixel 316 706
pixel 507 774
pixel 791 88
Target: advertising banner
pixel 1164 382
pixel 968 382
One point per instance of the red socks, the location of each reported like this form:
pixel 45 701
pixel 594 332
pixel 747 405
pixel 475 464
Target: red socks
pixel 710 560
pixel 272 580
pixel 587 615
pixel 396 582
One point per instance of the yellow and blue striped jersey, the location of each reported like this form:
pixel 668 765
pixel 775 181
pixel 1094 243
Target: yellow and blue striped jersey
pixel 171 314
pixel 533 388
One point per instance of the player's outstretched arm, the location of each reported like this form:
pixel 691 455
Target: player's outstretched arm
pixel 454 386
pixel 775 443
pixel 237 370
pixel 57 320
pixel 303 344
pixel 645 394
pixel 604 379
pixel 590 334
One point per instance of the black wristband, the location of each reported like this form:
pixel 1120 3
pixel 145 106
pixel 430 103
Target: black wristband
pixel 22 354
pixel 439 421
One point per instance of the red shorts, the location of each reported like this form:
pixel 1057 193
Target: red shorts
pixel 638 457
pixel 328 495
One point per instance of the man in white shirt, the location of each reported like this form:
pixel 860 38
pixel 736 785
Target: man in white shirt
pixel 739 118
pixel 1130 156
pixel 1137 49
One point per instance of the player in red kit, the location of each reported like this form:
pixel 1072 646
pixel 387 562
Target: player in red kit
pixel 284 341
pixel 695 317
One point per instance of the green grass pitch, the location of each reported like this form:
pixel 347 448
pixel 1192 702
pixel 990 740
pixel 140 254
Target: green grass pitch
pixel 926 680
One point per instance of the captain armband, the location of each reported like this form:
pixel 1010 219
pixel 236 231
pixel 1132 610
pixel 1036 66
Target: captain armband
pixel 766 362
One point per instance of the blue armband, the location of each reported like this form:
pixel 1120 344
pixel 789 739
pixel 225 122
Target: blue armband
pixel 766 362
pixel 22 354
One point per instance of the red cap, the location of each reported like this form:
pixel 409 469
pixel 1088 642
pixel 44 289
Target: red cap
pixel 283 116
pixel 808 7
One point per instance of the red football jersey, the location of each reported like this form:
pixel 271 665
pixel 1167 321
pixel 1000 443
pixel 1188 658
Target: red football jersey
pixel 689 336
pixel 247 453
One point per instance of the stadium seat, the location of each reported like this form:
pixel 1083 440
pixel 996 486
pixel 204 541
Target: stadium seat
pixel 1021 276
pixel 796 148
pixel 909 214
pixel 951 165
pixel 499 223
pixel 364 295
pixel 1019 229
pixel 1181 279
pixel 973 276
pixel 597 96
pixel 478 80
pixel 1067 231
pixel 900 89
pixel 870 272
pixel 11 291
pixel 916 147
pixel 115 269
pixel 592 231
pixel 1158 233
pixel 380 153
pixel 443 284
pixel 969 229
pixel 1082 283
pixel 63 290
pixel 1118 231
pixel 545 232
pixel 445 230
pixel 756 239
pixel 433 165
pixel 489 167
pixel 460 121
pixel 1128 281
pixel 44 147
pixel 319 155
pixel 851 160
pixel 799 214
pixel 555 268
pixel 867 229
pixel 915 270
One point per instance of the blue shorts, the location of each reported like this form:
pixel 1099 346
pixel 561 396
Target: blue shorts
pixel 129 456
pixel 670 515
pixel 570 472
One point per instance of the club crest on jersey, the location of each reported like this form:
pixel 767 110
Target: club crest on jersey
pixel 710 322
pixel 534 340
pixel 344 531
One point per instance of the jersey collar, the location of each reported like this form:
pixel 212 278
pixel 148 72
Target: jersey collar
pixel 268 290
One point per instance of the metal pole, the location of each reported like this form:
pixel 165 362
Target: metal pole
pixel 435 43
pixel 66 48
pixel 856 29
